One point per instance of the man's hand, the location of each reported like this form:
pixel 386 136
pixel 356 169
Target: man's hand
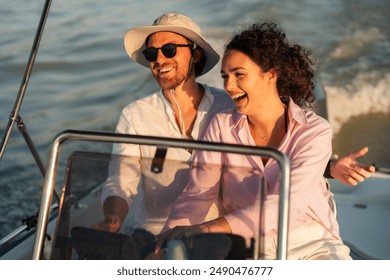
pixel 111 223
pixel 115 210
pixel 349 171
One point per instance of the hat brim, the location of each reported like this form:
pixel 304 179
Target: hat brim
pixel 135 43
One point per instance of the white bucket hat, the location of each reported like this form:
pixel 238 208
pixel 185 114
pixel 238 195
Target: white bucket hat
pixel 177 23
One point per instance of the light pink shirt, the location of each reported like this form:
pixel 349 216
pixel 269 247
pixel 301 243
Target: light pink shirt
pixel 308 146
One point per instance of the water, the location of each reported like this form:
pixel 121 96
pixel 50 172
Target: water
pixel 82 77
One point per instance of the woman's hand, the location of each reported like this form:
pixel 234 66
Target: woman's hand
pixel 349 171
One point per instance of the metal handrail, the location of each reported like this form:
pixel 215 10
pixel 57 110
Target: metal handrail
pixel 14 117
pixel 160 142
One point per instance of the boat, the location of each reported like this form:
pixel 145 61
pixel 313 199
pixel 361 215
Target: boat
pixel 358 208
pixel 64 227
pixel 61 227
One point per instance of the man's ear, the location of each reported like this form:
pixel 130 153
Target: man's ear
pixel 197 55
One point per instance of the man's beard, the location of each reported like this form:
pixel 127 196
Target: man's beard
pixel 172 83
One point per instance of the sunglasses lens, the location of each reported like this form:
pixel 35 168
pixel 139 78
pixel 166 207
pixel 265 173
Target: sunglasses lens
pixel 169 50
pixel 150 54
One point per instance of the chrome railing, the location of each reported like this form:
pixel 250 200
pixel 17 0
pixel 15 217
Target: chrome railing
pixel 161 143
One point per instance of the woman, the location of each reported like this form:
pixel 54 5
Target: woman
pixel 271 83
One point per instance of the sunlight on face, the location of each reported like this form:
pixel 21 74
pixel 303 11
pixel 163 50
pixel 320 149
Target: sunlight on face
pixel 244 81
pixel 170 72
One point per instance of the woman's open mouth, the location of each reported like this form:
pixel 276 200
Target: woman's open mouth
pixel 239 97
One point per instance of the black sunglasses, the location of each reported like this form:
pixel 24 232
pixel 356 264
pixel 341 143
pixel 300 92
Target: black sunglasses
pixel 168 50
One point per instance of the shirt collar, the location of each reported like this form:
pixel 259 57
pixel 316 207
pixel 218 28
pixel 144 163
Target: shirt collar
pixel 296 113
pixel 205 103
pixel 164 99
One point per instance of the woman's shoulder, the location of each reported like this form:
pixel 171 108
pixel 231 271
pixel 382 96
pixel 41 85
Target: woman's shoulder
pixel 316 121
pixel 307 119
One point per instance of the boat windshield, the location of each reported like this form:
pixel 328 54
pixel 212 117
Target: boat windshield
pixel 92 175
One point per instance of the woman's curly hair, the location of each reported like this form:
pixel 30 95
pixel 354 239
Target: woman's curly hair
pixel 266 44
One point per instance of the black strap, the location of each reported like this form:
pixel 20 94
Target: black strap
pixel 158 160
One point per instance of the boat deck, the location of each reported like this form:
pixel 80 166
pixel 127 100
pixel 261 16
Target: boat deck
pixel 363 213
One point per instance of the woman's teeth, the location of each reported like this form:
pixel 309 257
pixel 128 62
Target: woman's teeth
pixel 238 97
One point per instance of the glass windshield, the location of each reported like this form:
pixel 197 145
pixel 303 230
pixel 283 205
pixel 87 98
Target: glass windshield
pixel 152 185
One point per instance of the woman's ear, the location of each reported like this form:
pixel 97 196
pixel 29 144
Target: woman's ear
pixel 273 75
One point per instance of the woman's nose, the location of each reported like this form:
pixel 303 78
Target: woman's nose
pixel 230 84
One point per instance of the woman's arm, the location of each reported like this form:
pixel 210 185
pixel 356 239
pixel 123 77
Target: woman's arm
pixel 202 188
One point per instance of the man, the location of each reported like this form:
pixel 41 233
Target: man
pixel 176 53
